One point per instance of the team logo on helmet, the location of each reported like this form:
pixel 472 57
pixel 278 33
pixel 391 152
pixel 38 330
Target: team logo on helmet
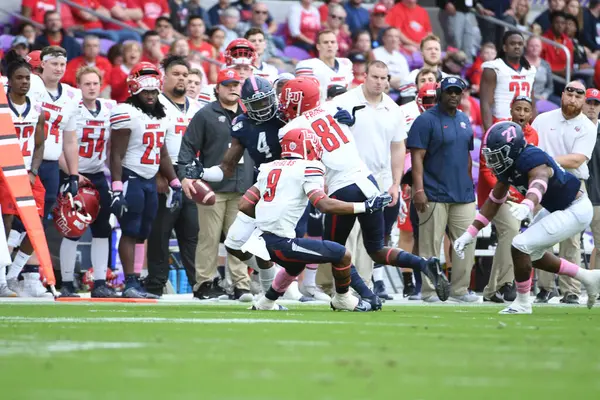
pixel 293 97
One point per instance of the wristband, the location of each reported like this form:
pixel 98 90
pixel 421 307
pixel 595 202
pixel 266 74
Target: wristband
pixel 496 200
pixel 359 208
pixel 540 182
pixel 536 192
pixel 175 183
pixel 529 204
pixel 482 219
pixel 471 230
pixel 117 186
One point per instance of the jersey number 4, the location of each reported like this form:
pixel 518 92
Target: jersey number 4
pixel 262 145
pixel 152 140
pixel 89 145
pixel 520 88
pixel 330 133
pixel 272 180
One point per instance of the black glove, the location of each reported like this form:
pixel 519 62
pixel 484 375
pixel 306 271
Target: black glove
pixel 177 197
pixel 70 185
pixel 343 117
pixel 194 170
pixel 118 204
pixel 377 203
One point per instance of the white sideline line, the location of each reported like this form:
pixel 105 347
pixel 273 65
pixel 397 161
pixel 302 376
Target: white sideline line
pixel 10 348
pixel 62 320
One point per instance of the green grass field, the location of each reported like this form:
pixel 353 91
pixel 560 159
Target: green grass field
pixel 110 351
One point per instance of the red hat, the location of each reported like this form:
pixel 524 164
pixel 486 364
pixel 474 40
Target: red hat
pixel 227 76
pixel 379 9
pixel 34 59
pixel 592 94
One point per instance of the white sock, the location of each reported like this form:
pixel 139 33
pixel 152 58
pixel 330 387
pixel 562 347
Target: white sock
pixel 2 276
pixel 14 239
pixel 523 298
pixel 68 258
pixel 310 276
pixel 378 274
pixel 100 258
pixel 17 265
pixel 251 262
pixel 583 276
pixel 266 276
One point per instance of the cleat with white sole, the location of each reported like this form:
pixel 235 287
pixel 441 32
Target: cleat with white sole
pixel 14 285
pixel 347 302
pixel 593 287
pixel 292 292
pixel 264 304
pixel 315 292
pixel 6 292
pixel 517 308
pixel 32 286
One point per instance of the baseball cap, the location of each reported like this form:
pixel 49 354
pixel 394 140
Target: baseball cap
pixel 227 76
pixel 379 9
pixel 452 81
pixel 357 58
pixel 592 94
pixel 20 40
pixel 522 98
pixel 33 58
pixel 335 90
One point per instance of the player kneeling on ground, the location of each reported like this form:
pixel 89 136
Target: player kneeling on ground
pixel 566 211
pixel 278 201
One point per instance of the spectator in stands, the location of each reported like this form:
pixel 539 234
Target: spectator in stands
pixel 517 14
pixel 412 22
pixel 304 22
pixel 377 24
pixel 431 51
pixel 20 45
pixel 543 86
pixel 180 47
pixel 91 57
pixel 214 13
pixel 127 11
pixel 555 56
pixel 196 29
pixel 230 19
pixel 335 23
pixel 165 31
pixel 152 50
pixel 470 106
pixel 457 23
pixel 454 62
pixel 487 53
pixel 182 10
pixel 544 20
pixel 492 8
pixel 580 59
pixel 591 26
pixel 115 55
pixel 152 10
pixel 209 134
pixel 591 108
pixel 257 37
pixel 216 37
pixel 361 43
pixel 357 16
pixel 55 35
pixel 259 20
pixel 246 9
pixel 395 61
pixel 574 8
pixel 443 191
pixel 88 23
pixel 28 30
pixel 37 9
pixel 132 53
pixel 359 68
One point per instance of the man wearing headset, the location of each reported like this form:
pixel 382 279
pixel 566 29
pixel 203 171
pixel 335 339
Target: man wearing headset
pixel 440 141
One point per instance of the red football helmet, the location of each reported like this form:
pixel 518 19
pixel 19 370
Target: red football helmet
pixel 72 215
pixel 144 76
pixel 240 52
pixel 301 143
pixel 33 58
pixel 427 96
pixel 298 96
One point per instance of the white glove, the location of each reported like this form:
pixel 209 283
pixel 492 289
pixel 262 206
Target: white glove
pixel 520 211
pixel 463 241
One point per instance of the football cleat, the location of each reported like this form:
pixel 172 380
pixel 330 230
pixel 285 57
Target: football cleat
pixel 264 304
pixel 347 302
pixel 433 270
pixel 292 292
pixel 6 292
pixel 32 286
pixel 133 292
pixel 66 292
pixel 376 303
pixel 104 292
pixel 315 292
pixel 593 287
pixel 379 290
pixel 517 308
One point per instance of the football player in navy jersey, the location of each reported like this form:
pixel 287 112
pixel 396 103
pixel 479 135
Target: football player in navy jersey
pixel 566 211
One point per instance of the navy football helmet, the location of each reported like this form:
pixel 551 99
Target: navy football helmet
pixel 259 98
pixel 502 144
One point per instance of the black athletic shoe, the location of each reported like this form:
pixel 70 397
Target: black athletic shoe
pixel 205 291
pixel 67 292
pixel 433 270
pixel 138 292
pixel 375 302
pixel 104 292
pixel 242 295
pixel 409 289
pixel 379 290
pixel 543 296
pixel 570 298
pixel 495 298
pixel 508 291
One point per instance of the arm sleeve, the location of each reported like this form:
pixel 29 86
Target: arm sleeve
pixel 120 118
pixel 294 21
pixel 419 134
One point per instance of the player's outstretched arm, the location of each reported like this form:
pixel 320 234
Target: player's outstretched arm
pixel 327 205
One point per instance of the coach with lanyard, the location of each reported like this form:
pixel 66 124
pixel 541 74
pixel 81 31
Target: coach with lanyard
pixel 440 141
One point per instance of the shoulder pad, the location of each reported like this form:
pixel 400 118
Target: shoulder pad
pixel 532 157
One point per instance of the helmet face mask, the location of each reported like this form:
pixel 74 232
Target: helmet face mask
pixel 144 76
pixel 503 143
pixel 498 160
pixel 240 52
pixel 72 215
pixel 259 98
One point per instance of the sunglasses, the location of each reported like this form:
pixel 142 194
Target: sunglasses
pixel 341 18
pixel 260 12
pixel 572 89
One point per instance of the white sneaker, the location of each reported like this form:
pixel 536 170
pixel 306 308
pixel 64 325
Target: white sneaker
pixel 14 285
pixel 592 287
pixel 466 298
pixel 292 293
pixel 315 292
pixel 6 292
pixel 517 308
pixel 32 286
pixel 264 304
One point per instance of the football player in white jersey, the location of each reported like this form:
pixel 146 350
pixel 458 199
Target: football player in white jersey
pixel 29 128
pixel 348 178
pixel 508 76
pixel 137 152
pixel 328 69
pixel 93 133
pixel 184 220
pixel 278 200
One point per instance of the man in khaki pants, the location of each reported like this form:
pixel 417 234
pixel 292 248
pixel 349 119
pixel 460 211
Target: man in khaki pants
pixel 569 136
pixel 591 109
pixel 209 133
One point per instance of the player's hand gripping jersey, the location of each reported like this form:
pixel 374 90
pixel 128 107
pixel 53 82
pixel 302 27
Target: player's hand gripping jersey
pixel 93 132
pixel 60 113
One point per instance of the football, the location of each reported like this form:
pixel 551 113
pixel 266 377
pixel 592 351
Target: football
pixel 204 194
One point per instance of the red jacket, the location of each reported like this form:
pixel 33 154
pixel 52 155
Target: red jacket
pixel 102 64
pixel 474 73
pixel 555 56
pixel 487 179
pixel 118 85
